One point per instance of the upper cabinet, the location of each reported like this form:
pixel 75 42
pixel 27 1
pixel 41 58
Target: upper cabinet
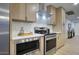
pixel 63 16
pixel 24 12
pixel 17 11
pixel 52 10
pixel 60 20
pixel 31 10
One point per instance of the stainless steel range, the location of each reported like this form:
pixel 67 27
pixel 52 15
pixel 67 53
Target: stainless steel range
pixel 50 44
pixel 41 30
pixel 49 41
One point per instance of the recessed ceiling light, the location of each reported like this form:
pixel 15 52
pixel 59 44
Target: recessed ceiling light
pixel 75 3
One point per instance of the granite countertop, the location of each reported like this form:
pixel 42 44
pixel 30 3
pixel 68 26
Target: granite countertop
pixel 30 36
pixel 27 37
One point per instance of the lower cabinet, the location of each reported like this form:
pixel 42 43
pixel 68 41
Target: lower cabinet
pixel 32 46
pixel 22 48
pixel 60 40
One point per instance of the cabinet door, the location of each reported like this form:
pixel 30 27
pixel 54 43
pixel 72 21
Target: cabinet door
pixel 63 16
pixel 52 10
pixel 31 9
pixel 18 11
pixel 60 40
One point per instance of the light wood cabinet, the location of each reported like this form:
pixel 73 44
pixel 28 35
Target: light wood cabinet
pixel 24 11
pixel 52 10
pixel 60 20
pixel 60 40
pixel 59 27
pixel 31 10
pixel 63 16
pixel 18 11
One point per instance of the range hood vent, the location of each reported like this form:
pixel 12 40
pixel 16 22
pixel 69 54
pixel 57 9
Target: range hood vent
pixel 42 13
pixel 41 6
pixel 70 13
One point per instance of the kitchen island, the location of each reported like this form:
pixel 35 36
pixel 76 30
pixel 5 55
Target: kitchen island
pixel 19 43
pixel 32 44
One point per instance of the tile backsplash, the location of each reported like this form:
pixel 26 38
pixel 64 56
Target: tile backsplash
pixel 28 27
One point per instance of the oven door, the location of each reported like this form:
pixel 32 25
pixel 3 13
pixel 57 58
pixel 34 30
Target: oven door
pixel 26 47
pixel 50 44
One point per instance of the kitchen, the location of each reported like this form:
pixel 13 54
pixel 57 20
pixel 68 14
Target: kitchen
pixel 36 22
pixel 36 28
pixel 39 29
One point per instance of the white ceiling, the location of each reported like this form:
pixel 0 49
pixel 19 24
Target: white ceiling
pixel 69 7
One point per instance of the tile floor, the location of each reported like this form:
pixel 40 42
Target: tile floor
pixel 71 47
